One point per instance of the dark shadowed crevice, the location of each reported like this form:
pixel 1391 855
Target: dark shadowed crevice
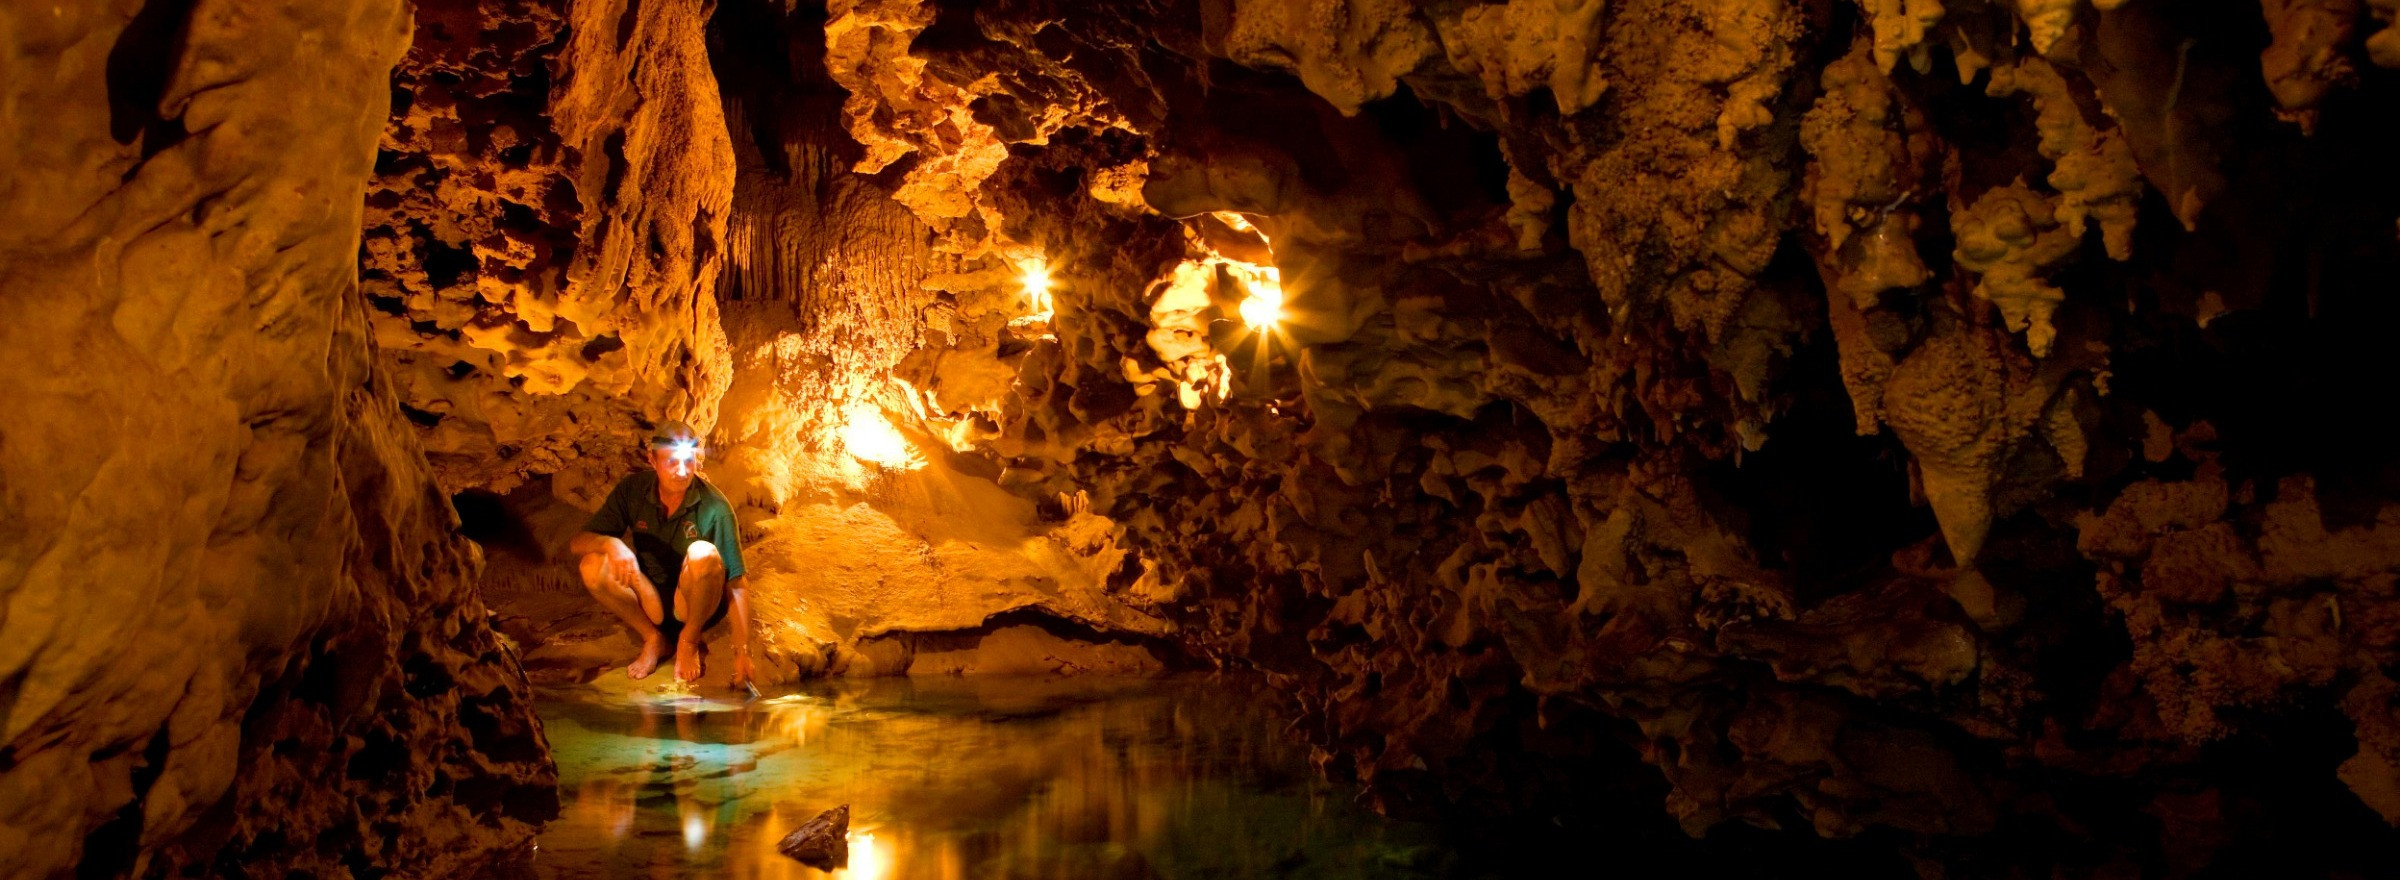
pixel 486 518
pixel 139 63
pixel 449 265
pixel 111 849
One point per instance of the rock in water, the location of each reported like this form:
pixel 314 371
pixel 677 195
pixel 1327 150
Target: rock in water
pixel 821 843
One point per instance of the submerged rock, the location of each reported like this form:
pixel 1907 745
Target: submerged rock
pixel 822 842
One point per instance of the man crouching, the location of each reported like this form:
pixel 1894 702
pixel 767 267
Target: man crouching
pixel 662 552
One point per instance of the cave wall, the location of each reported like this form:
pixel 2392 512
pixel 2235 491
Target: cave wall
pixel 1866 416
pixel 240 636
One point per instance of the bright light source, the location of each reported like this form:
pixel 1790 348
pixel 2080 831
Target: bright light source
pixel 695 827
pixel 1033 274
pixel 868 861
pixel 684 450
pixel 869 437
pixel 1263 308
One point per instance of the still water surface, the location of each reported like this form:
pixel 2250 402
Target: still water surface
pixel 957 778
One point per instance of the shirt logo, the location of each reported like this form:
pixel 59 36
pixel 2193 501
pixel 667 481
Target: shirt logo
pixel 642 524
pixel 690 530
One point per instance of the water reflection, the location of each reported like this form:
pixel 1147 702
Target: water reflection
pixel 956 778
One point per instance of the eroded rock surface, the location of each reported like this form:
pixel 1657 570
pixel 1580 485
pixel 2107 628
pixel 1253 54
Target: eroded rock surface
pixel 241 639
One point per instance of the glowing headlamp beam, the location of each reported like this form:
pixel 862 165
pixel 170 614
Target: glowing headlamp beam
pixel 684 450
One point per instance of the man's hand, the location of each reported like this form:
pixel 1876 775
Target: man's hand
pixel 743 673
pixel 620 564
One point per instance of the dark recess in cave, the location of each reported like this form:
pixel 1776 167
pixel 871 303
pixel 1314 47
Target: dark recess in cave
pixel 139 63
pixel 486 518
pixel 449 265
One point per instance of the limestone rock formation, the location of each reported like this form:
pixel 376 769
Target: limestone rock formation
pixel 2091 168
pixel 2014 237
pixel 2310 55
pixel 239 629
pixel 2384 45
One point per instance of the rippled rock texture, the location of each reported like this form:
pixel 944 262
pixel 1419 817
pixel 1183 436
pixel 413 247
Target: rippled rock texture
pixel 241 638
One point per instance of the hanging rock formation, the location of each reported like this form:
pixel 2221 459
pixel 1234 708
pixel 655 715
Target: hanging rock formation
pixel 241 637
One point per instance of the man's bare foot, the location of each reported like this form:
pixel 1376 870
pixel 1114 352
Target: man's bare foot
pixel 647 662
pixel 688 665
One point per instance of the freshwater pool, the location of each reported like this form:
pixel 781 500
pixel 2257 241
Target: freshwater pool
pixel 957 778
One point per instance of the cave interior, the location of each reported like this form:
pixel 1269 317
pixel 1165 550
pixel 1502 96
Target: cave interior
pixel 1718 437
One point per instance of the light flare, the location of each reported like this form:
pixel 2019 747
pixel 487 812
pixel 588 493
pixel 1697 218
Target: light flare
pixel 868 860
pixel 1033 276
pixel 869 437
pixel 695 827
pixel 1263 308
pixel 1179 321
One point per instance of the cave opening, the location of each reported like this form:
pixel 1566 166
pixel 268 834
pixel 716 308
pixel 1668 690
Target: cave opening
pixel 1425 439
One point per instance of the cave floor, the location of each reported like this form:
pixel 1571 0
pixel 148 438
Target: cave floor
pixel 952 777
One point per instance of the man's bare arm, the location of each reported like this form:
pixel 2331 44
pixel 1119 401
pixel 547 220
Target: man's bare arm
pixel 621 567
pixel 740 611
pixel 738 602
pixel 588 543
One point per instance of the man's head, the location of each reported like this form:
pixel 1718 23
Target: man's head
pixel 675 453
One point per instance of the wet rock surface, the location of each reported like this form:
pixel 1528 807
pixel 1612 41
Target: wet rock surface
pixel 821 842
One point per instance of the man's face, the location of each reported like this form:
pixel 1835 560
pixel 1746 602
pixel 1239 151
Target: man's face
pixel 674 471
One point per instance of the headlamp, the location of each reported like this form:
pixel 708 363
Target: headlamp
pixel 684 450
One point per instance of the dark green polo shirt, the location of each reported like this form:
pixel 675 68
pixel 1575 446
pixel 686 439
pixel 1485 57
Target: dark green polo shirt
pixel 661 539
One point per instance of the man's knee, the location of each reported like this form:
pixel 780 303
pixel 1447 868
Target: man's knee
pixel 594 568
pixel 702 560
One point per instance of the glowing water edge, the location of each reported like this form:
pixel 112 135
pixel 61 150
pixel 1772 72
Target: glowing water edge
pixel 957 778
